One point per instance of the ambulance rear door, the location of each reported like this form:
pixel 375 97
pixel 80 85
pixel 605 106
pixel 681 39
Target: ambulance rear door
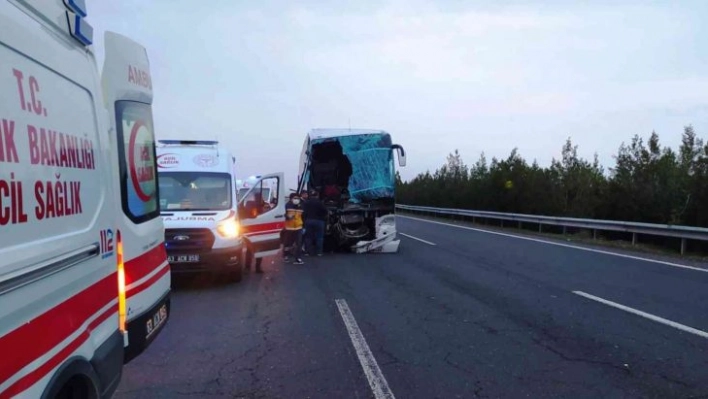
pixel 127 88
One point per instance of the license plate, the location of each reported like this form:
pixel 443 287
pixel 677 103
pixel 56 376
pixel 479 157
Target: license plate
pixel 158 319
pixel 183 258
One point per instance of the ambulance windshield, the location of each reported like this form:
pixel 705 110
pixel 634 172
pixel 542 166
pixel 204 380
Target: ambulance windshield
pixel 194 191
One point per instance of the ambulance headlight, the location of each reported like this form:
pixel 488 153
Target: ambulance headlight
pixel 229 228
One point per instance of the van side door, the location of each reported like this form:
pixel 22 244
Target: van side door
pixel 262 220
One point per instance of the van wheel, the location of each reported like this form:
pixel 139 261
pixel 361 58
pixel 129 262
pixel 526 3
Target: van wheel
pixel 77 387
pixel 241 260
pixel 249 259
pixel 235 276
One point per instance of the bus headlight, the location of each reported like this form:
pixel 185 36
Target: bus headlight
pixel 229 228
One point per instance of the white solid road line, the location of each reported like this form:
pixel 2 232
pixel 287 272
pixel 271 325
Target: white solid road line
pixel 417 239
pixel 377 381
pixel 644 314
pixel 599 251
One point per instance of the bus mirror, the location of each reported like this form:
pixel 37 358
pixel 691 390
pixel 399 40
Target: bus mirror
pixel 401 154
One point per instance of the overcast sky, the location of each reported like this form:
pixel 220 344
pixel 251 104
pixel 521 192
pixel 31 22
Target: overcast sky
pixel 257 75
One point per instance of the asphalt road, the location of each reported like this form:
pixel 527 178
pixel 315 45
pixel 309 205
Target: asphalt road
pixel 474 315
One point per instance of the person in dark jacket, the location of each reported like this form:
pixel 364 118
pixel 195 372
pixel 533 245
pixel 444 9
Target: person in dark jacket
pixel 315 215
pixel 304 195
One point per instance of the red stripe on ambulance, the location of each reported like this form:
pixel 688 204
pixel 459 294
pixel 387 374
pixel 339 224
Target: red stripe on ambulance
pixel 144 264
pixel 67 317
pixel 49 329
pixel 262 228
pixel 30 379
pixel 148 283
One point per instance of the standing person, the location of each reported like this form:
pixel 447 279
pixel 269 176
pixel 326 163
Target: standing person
pixel 315 214
pixel 303 200
pixel 293 228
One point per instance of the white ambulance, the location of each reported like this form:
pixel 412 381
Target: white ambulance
pixel 84 279
pixel 207 224
pixel 198 203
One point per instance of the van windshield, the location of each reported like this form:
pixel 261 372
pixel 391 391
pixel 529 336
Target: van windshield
pixel 194 191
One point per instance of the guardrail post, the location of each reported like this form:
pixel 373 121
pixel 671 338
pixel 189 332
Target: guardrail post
pixel 634 238
pixel 473 219
pixel 540 227
pixel 683 246
pixel 564 230
pixel 594 234
pixel 502 223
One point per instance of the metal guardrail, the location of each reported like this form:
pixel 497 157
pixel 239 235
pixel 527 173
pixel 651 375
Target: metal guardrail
pixel 662 230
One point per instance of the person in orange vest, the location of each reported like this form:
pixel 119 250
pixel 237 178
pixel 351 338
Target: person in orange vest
pixel 293 229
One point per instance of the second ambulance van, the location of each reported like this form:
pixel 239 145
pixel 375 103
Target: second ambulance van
pixel 209 227
pixel 198 202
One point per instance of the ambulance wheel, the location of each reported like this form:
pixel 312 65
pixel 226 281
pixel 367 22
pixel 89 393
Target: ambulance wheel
pixel 249 259
pixel 241 260
pixel 234 276
pixel 74 380
pixel 77 387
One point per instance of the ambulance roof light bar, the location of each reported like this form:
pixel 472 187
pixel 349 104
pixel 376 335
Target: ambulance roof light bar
pixel 79 29
pixel 77 6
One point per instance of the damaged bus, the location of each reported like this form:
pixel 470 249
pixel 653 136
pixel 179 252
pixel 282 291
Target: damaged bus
pixel 353 171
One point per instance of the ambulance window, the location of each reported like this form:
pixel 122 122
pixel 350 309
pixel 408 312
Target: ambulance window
pixel 139 194
pixel 258 201
pixel 242 192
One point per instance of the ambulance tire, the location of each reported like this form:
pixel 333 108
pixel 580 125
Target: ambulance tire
pixel 249 259
pixel 242 260
pixel 235 275
pixel 77 380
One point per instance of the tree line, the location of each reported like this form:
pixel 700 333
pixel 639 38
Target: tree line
pixel 649 183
